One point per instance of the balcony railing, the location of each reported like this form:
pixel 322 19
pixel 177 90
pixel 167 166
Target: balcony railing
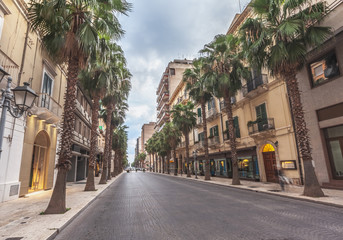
pixel 46 101
pixel 211 113
pixel 261 125
pixel 199 120
pixel 223 105
pixel 199 144
pixel 253 84
pixel 182 144
pixel 212 141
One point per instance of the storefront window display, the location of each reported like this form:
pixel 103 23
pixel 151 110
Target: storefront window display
pixel 248 167
pixel 334 139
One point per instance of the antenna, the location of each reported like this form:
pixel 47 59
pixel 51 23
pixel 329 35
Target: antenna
pixel 240 9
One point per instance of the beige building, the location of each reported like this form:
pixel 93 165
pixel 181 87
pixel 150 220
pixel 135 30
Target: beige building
pixel 30 150
pixel 170 79
pixel 148 130
pixel 263 128
pixel 321 85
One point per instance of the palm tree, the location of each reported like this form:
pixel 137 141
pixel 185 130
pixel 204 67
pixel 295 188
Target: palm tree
pixel 184 119
pixel 172 136
pixel 198 91
pixel 119 145
pixel 94 80
pixel 224 74
pixel 119 90
pixel 69 30
pixel 278 39
pixel 118 119
pixel 149 150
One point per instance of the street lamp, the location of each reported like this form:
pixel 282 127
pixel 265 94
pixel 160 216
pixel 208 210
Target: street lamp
pixel 17 103
pixel 195 163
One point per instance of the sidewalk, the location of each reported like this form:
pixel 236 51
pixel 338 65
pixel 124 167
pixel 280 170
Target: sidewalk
pixel 332 197
pixel 21 219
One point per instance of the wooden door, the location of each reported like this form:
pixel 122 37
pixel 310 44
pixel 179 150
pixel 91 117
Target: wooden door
pixel 270 166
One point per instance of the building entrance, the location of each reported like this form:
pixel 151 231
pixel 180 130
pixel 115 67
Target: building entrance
pixel 39 162
pixel 269 160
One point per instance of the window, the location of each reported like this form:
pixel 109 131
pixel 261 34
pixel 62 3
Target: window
pixel 236 128
pixel 214 131
pixel 201 136
pixel 172 71
pixel 80 127
pixel 324 69
pixel 46 91
pixel 261 117
pixel 334 140
pixel 211 104
pixel 199 112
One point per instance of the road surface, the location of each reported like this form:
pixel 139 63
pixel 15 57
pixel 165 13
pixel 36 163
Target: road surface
pixel 156 207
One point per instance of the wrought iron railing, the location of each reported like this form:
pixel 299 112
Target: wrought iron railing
pixel 254 83
pixel 261 125
pixel 46 101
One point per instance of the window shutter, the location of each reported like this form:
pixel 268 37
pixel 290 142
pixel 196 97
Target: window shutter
pixel 216 131
pixel 199 112
pixel 236 125
pixel 211 132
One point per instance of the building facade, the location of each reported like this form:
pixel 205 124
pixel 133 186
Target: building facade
pixel 148 130
pixel 321 87
pixel 81 137
pixel 28 157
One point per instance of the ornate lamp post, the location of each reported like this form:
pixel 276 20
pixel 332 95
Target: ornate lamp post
pixel 17 103
pixel 195 163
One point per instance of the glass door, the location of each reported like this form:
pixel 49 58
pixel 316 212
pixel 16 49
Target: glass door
pixel 38 168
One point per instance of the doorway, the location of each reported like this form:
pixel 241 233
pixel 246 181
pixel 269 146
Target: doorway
pixel 39 162
pixel 270 166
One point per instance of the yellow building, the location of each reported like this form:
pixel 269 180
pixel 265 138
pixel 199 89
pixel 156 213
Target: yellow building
pixel 263 128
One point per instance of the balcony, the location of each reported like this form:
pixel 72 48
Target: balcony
pixel 261 126
pixel 213 142
pixel 181 144
pixel 211 114
pixel 248 89
pixel 199 122
pixel 164 96
pixel 199 145
pixel 47 109
pixel 223 105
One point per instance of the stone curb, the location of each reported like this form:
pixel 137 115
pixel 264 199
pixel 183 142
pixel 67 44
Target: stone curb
pixel 256 190
pixel 57 231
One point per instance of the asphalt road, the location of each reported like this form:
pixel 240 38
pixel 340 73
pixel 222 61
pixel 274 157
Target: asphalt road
pixel 154 206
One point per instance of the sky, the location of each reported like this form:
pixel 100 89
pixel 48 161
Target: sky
pixel 159 31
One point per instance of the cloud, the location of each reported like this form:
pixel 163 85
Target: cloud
pixel 159 31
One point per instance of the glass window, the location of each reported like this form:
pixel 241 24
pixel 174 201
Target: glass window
pixel 172 71
pixel 46 91
pixel 324 68
pixel 334 137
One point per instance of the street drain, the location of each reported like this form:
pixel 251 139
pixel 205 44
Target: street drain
pixel 252 187
pixel 14 238
pixel 274 190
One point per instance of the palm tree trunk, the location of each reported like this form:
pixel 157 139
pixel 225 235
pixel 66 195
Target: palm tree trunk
pixel 57 202
pixel 207 160
pixel 90 185
pixel 232 137
pixel 168 162
pixel 187 154
pixel 312 187
pixel 109 174
pixel 175 162
pixel 109 111
pixel 160 165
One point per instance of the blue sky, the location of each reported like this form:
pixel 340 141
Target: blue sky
pixel 159 31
